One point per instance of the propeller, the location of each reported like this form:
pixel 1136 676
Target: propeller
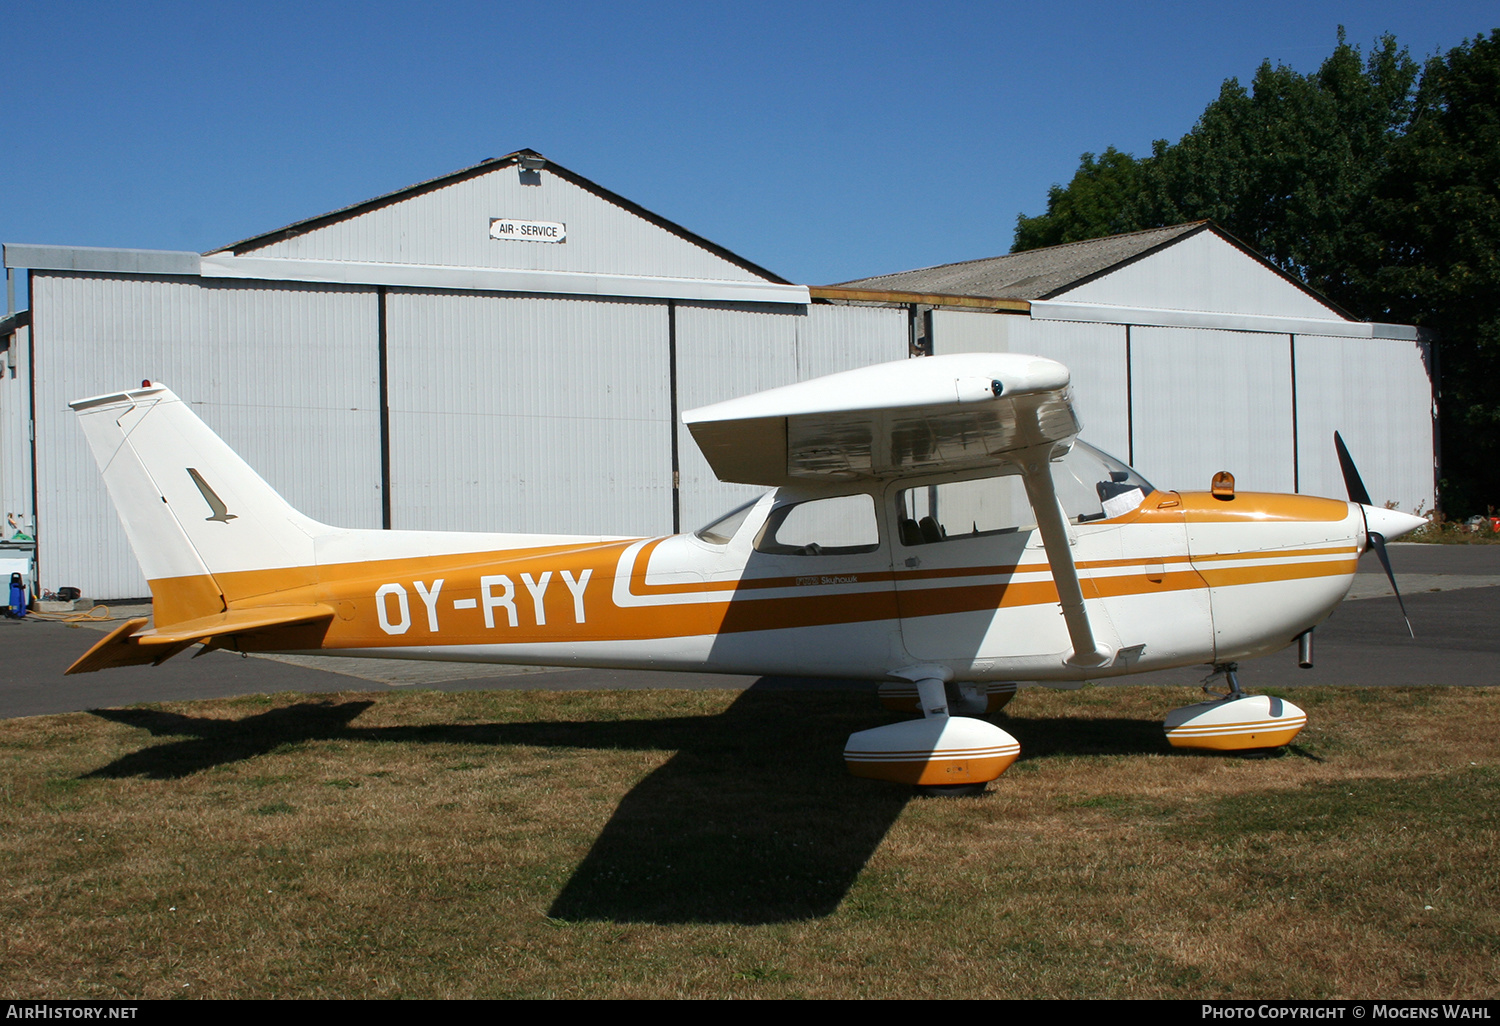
pixel 1358 494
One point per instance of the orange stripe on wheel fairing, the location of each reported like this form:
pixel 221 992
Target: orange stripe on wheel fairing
pixel 1238 741
pixel 936 771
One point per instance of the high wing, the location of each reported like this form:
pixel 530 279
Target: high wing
pixel 912 416
pixel 940 413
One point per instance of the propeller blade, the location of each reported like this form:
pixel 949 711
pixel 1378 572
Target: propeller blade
pixel 1357 493
pixel 1352 482
pixel 1377 542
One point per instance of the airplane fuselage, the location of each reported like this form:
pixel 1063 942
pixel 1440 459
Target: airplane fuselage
pixel 1182 579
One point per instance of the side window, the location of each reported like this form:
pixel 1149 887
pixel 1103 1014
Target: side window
pixel 723 530
pixel 963 509
pixel 840 526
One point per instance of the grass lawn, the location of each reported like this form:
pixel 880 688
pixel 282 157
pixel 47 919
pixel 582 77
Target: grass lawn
pixel 710 844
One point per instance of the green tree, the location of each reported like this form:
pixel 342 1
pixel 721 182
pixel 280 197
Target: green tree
pixel 1439 209
pixel 1290 167
pixel 1098 201
pixel 1374 181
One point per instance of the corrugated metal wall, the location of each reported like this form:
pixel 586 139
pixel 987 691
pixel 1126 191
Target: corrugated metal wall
pixel 1093 353
pixel 506 412
pixel 723 352
pixel 286 374
pixel 840 338
pixel 529 413
pixel 15 437
pixel 539 413
pixel 1207 400
pixel 728 351
pixel 1377 393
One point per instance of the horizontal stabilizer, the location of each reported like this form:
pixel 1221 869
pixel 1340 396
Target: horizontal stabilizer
pixel 124 647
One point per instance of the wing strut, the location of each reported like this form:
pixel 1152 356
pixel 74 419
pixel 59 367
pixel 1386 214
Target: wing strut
pixel 1052 522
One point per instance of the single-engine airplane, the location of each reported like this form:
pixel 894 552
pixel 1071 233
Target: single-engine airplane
pixel 934 524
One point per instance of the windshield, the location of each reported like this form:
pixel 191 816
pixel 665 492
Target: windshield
pixel 1093 485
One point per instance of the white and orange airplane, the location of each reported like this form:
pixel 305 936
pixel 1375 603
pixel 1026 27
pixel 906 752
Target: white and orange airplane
pixel 934 524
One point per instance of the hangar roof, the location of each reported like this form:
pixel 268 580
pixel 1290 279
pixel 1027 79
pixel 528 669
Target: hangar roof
pixel 1049 273
pixel 1033 274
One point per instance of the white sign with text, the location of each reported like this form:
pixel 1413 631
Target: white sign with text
pixel 527 231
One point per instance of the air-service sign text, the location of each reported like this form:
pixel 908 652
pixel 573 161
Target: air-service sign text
pixel 527 231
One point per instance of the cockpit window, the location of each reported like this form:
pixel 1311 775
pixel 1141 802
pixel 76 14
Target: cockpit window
pixel 722 530
pixel 963 509
pixel 1091 485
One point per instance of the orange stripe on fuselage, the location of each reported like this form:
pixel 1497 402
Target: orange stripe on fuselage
pixel 1224 577
pixel 351 588
pixel 1339 550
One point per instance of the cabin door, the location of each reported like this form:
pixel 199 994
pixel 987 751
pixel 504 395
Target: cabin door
pixel 972 579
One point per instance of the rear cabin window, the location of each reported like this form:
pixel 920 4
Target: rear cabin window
pixel 840 526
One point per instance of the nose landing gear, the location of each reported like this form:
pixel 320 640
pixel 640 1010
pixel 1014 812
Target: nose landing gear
pixel 1234 721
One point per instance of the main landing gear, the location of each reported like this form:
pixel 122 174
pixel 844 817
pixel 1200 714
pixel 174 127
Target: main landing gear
pixel 940 753
pixel 1234 721
pixel 946 754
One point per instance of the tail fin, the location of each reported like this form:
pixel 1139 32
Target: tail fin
pixel 201 521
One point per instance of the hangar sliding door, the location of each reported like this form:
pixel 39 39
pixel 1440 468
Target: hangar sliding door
pixel 1205 400
pixel 537 414
pixel 287 374
pixel 729 350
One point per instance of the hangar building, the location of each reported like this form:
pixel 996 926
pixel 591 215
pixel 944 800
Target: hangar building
pixel 508 348
pixel 1190 353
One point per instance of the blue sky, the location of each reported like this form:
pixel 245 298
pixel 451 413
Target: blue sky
pixel 823 141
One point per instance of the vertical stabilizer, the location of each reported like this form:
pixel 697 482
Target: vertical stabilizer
pixel 198 517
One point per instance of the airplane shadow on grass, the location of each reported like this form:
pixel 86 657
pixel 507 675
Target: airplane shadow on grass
pixel 754 819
